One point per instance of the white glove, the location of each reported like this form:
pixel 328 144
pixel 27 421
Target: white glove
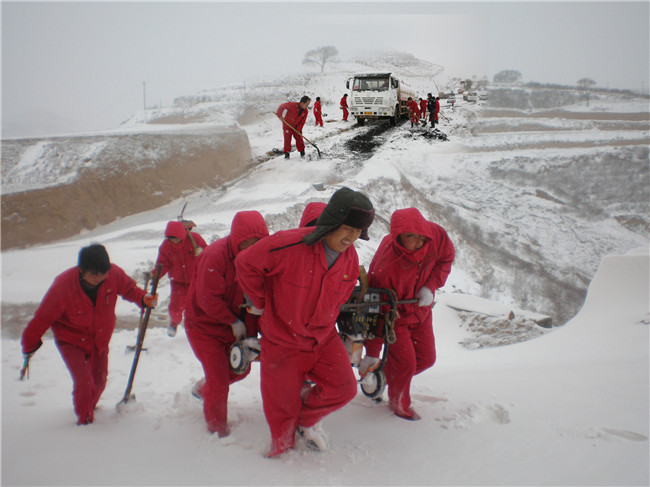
pixel 367 365
pixel 250 307
pixel 197 251
pixel 239 330
pixel 425 297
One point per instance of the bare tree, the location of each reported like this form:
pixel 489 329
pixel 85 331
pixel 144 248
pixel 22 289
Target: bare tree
pixel 320 56
pixel 586 83
pixel 507 76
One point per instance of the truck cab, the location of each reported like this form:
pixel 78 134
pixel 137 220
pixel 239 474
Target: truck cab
pixel 378 96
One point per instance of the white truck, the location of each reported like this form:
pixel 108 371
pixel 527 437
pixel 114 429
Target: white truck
pixel 378 96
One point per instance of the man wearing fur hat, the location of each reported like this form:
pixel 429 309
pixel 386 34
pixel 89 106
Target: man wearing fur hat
pixel 297 280
pixel 177 254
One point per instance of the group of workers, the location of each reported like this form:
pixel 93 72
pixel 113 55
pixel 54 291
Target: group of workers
pixel 287 287
pixel 293 116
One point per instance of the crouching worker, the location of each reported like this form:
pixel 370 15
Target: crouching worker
pixel 414 259
pixel 177 254
pixel 298 279
pixel 80 309
pixel 215 316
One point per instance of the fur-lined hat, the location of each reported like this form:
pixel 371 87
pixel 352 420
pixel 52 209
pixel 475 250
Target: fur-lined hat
pixel 345 207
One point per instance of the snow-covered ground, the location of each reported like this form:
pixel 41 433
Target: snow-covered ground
pixel 533 218
pixel 568 408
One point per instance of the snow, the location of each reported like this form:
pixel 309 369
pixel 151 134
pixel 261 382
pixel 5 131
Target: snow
pixel 568 408
pixel 563 406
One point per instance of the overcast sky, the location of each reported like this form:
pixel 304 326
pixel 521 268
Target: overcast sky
pixel 81 66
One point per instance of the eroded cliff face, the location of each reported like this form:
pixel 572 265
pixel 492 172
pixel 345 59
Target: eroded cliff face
pixel 97 179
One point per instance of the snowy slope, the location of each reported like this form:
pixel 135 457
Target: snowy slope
pixel 569 408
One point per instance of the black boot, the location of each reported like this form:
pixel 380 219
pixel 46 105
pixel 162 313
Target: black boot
pixel 302 153
pixel 286 155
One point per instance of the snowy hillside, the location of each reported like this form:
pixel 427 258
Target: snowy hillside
pixel 534 200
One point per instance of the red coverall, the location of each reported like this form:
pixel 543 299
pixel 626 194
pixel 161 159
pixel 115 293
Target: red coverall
pixel 406 272
pixel 414 110
pixel 82 330
pixel 290 112
pixel 423 109
pixel 344 107
pixel 318 113
pixel 178 261
pixel 301 298
pixel 213 304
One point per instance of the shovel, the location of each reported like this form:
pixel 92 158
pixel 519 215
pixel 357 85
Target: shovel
pixel 138 348
pixel 292 128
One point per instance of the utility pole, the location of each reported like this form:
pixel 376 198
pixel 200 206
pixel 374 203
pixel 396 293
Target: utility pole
pixel 144 94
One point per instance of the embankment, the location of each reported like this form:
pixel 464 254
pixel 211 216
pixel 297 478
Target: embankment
pixel 54 188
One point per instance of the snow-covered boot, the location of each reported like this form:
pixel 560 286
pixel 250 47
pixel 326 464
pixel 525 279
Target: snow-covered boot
pixel 171 331
pixel 314 437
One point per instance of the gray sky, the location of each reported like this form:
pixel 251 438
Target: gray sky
pixel 80 66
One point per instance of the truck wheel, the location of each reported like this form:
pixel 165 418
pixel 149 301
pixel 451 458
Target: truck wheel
pixel 395 119
pixel 361 121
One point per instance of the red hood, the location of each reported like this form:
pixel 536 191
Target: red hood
pixel 409 220
pixel 245 225
pixel 311 213
pixel 175 229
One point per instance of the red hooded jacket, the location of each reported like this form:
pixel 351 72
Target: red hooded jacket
pixel 72 316
pixel 289 112
pixel 214 297
pixel 178 259
pixel 395 267
pixel 290 281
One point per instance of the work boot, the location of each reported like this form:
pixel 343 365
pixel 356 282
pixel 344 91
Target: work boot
pixel 286 155
pixel 314 437
pixel 171 331
pixel 302 153
pixel 409 414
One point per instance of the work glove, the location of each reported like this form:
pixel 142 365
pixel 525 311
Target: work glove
pixel 425 296
pixel 197 251
pixel 150 300
pixel 367 365
pixel 238 329
pixel 250 307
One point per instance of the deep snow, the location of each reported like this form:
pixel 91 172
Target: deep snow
pixel 569 407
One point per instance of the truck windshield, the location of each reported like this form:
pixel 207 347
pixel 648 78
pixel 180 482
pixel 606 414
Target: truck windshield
pixel 370 84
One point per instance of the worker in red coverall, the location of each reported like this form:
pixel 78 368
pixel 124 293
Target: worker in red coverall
pixel 177 255
pixel 80 309
pixel 414 110
pixel 293 116
pixel 215 317
pixel 344 107
pixel 297 280
pixel 311 213
pixel 414 259
pixel 423 110
pixel 318 112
